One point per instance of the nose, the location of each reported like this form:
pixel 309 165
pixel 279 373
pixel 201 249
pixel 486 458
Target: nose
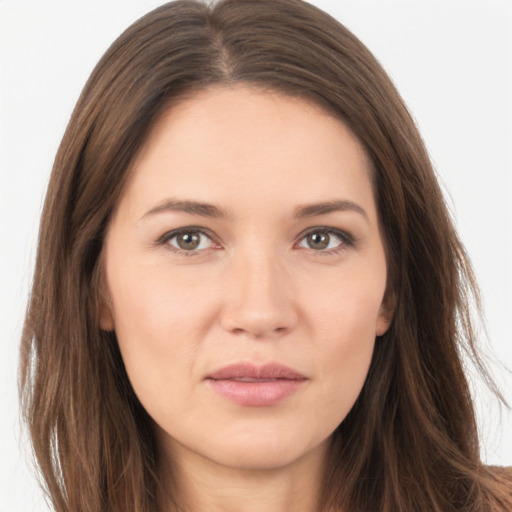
pixel 259 301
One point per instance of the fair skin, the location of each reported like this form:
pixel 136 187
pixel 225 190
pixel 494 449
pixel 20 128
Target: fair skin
pixel 284 265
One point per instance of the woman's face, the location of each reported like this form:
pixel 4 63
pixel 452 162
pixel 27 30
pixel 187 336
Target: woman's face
pixel 246 275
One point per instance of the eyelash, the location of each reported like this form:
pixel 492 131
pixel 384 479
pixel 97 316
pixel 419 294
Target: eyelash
pixel 167 237
pixel 347 240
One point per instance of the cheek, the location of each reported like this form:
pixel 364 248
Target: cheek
pixel 158 327
pixel 152 304
pixel 346 331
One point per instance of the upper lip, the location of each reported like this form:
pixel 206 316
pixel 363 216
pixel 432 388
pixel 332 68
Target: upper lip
pixel 270 371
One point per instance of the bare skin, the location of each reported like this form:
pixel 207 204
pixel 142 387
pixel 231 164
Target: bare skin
pixel 217 488
pixel 247 237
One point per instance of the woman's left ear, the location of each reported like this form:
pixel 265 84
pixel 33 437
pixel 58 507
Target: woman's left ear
pixel 386 313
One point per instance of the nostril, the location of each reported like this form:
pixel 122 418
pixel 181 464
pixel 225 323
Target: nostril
pixel 259 333
pixel 258 309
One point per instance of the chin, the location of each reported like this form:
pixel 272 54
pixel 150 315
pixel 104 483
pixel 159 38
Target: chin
pixel 271 450
pixel 260 455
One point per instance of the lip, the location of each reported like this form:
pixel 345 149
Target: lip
pixel 254 385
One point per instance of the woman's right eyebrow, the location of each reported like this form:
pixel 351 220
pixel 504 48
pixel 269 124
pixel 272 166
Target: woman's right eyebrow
pixel 191 207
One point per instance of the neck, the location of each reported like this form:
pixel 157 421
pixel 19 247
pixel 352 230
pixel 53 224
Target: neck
pixel 201 485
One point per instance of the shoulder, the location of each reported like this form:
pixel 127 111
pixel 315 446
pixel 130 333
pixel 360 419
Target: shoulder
pixel 501 472
pixel 500 487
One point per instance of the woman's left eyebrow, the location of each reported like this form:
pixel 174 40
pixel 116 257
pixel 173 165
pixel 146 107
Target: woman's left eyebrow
pixel 316 209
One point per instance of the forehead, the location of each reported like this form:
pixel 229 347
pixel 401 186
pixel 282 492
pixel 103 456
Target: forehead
pixel 242 144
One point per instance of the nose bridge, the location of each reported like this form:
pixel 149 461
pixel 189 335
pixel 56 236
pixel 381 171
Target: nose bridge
pixel 259 300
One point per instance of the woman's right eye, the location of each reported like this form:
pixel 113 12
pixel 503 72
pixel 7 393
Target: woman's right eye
pixel 187 241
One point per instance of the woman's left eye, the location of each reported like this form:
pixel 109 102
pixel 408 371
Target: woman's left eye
pixel 190 240
pixel 325 240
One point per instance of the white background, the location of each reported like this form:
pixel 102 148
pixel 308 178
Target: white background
pixel 452 62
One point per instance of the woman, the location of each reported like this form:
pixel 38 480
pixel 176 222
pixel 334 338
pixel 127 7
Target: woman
pixel 249 294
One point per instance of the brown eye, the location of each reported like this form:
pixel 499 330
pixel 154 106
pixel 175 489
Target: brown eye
pixel 326 240
pixel 318 240
pixel 189 241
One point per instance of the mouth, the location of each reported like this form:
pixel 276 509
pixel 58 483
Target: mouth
pixel 251 385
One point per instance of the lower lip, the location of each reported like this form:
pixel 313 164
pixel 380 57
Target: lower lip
pixel 256 394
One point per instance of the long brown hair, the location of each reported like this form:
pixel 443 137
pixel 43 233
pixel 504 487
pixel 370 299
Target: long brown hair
pixel 410 442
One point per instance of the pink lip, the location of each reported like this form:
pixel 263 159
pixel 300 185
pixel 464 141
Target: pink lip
pixel 257 386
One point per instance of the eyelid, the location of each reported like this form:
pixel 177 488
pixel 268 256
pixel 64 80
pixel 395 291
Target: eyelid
pixel 164 239
pixel 347 239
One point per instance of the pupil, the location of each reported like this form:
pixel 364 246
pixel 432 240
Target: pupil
pixel 318 240
pixel 188 241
